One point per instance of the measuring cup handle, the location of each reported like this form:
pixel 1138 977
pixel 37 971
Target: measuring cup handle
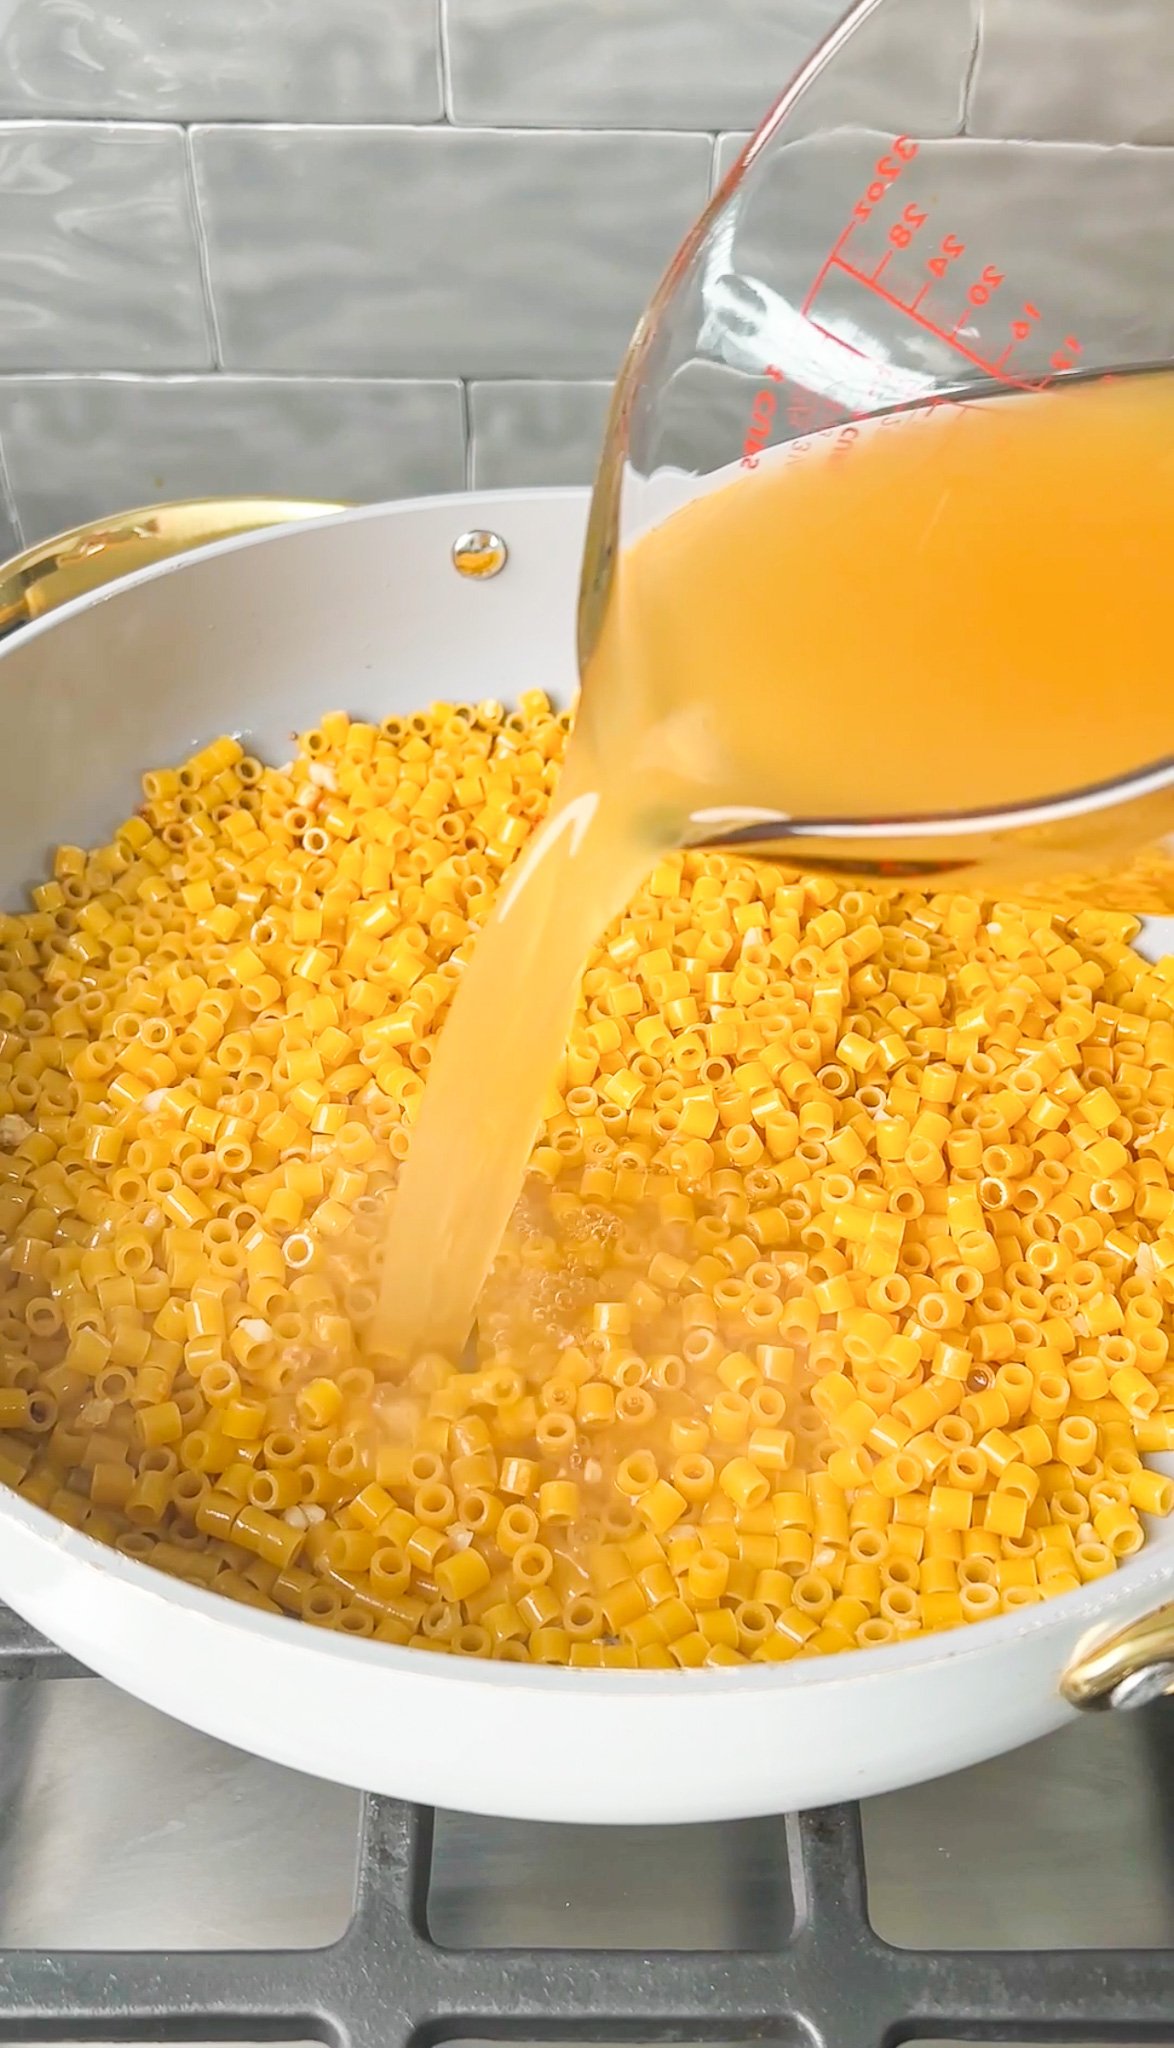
pixel 1128 1669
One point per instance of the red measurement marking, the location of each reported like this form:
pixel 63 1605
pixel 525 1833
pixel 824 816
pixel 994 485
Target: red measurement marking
pixel 912 220
pixel 844 440
pixel 762 414
pixel 831 257
pixel 804 414
pixel 830 335
pixel 986 286
pixel 930 326
pixel 1065 357
pixel 1022 327
pixel 887 170
pixel 949 253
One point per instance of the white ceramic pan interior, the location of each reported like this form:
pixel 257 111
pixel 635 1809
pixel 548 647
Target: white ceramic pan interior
pixel 259 636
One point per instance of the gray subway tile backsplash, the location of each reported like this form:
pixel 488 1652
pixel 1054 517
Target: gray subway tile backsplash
pixel 1075 71
pixel 439 252
pixel 716 64
pixel 903 70
pixel 627 63
pixel 531 431
pixel 222 60
pixel 99 265
pixel 78 447
pixel 259 244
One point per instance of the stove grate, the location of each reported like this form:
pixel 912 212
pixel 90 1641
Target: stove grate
pixel 833 1983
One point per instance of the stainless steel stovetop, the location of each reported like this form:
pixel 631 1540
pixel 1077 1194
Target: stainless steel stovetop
pixel 156 1885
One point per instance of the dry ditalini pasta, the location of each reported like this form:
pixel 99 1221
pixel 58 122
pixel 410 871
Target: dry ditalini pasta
pixel 836 1307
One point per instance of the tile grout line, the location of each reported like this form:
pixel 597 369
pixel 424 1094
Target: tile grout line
pixel 467 430
pixel 8 502
pixel 972 68
pixel 274 377
pixel 715 142
pixel 444 51
pixel 450 122
pixel 203 253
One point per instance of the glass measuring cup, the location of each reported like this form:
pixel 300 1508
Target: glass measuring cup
pixel 943 211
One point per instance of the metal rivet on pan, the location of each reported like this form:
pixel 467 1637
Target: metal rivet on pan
pixel 479 553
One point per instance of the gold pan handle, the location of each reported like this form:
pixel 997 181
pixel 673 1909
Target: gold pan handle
pixel 90 556
pixel 1128 1669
